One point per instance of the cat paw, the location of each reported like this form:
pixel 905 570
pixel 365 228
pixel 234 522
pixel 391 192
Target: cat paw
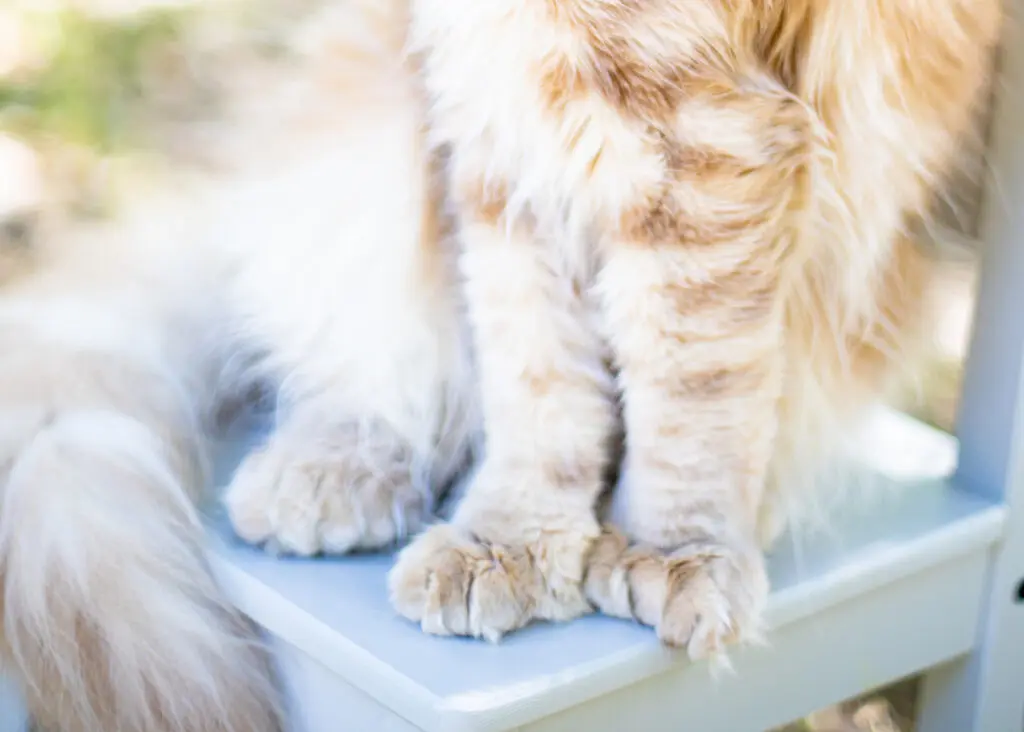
pixel 332 494
pixel 454 583
pixel 701 597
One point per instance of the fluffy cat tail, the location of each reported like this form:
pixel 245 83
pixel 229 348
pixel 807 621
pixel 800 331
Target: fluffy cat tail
pixel 111 617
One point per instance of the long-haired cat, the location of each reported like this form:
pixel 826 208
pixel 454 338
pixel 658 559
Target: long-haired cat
pixel 702 210
pixel 702 206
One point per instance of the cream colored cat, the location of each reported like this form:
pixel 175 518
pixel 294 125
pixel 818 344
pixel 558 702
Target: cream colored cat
pixel 701 209
pixel 714 197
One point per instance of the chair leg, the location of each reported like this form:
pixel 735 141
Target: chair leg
pixel 984 692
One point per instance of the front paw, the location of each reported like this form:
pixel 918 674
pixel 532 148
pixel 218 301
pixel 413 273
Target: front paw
pixel 452 582
pixel 702 596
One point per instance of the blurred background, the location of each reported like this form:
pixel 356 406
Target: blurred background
pixel 101 97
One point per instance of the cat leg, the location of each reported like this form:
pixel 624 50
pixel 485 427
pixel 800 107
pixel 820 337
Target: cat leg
pixel 370 429
pixel 343 293
pixel 374 408
pixel 692 298
pixel 515 548
pixel 357 325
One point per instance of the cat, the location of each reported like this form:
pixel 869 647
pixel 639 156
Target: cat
pixel 337 256
pixel 702 209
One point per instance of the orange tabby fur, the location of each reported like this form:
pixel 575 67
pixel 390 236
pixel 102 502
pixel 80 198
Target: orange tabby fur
pixel 716 196
pixel 719 193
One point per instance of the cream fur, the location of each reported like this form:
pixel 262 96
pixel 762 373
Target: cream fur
pixel 324 267
pixel 732 187
pixel 310 260
pixel 111 617
pixel 344 295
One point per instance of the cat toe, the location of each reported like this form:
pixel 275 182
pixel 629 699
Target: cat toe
pixel 453 583
pixel 713 598
pixel 701 597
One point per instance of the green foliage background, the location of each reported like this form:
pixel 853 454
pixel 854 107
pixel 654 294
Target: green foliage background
pixel 92 76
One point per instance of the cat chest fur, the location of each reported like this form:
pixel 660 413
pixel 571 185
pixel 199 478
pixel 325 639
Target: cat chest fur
pixel 526 129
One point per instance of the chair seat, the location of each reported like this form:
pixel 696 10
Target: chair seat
pixel 892 587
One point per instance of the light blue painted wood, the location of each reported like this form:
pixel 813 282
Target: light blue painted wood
pixel 851 645
pixel 13 715
pixel 984 692
pixel 854 595
pixel 320 701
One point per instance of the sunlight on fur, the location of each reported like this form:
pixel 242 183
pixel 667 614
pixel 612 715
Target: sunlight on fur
pixel 552 223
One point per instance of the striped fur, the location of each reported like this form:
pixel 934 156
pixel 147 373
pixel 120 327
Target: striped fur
pixel 716 197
